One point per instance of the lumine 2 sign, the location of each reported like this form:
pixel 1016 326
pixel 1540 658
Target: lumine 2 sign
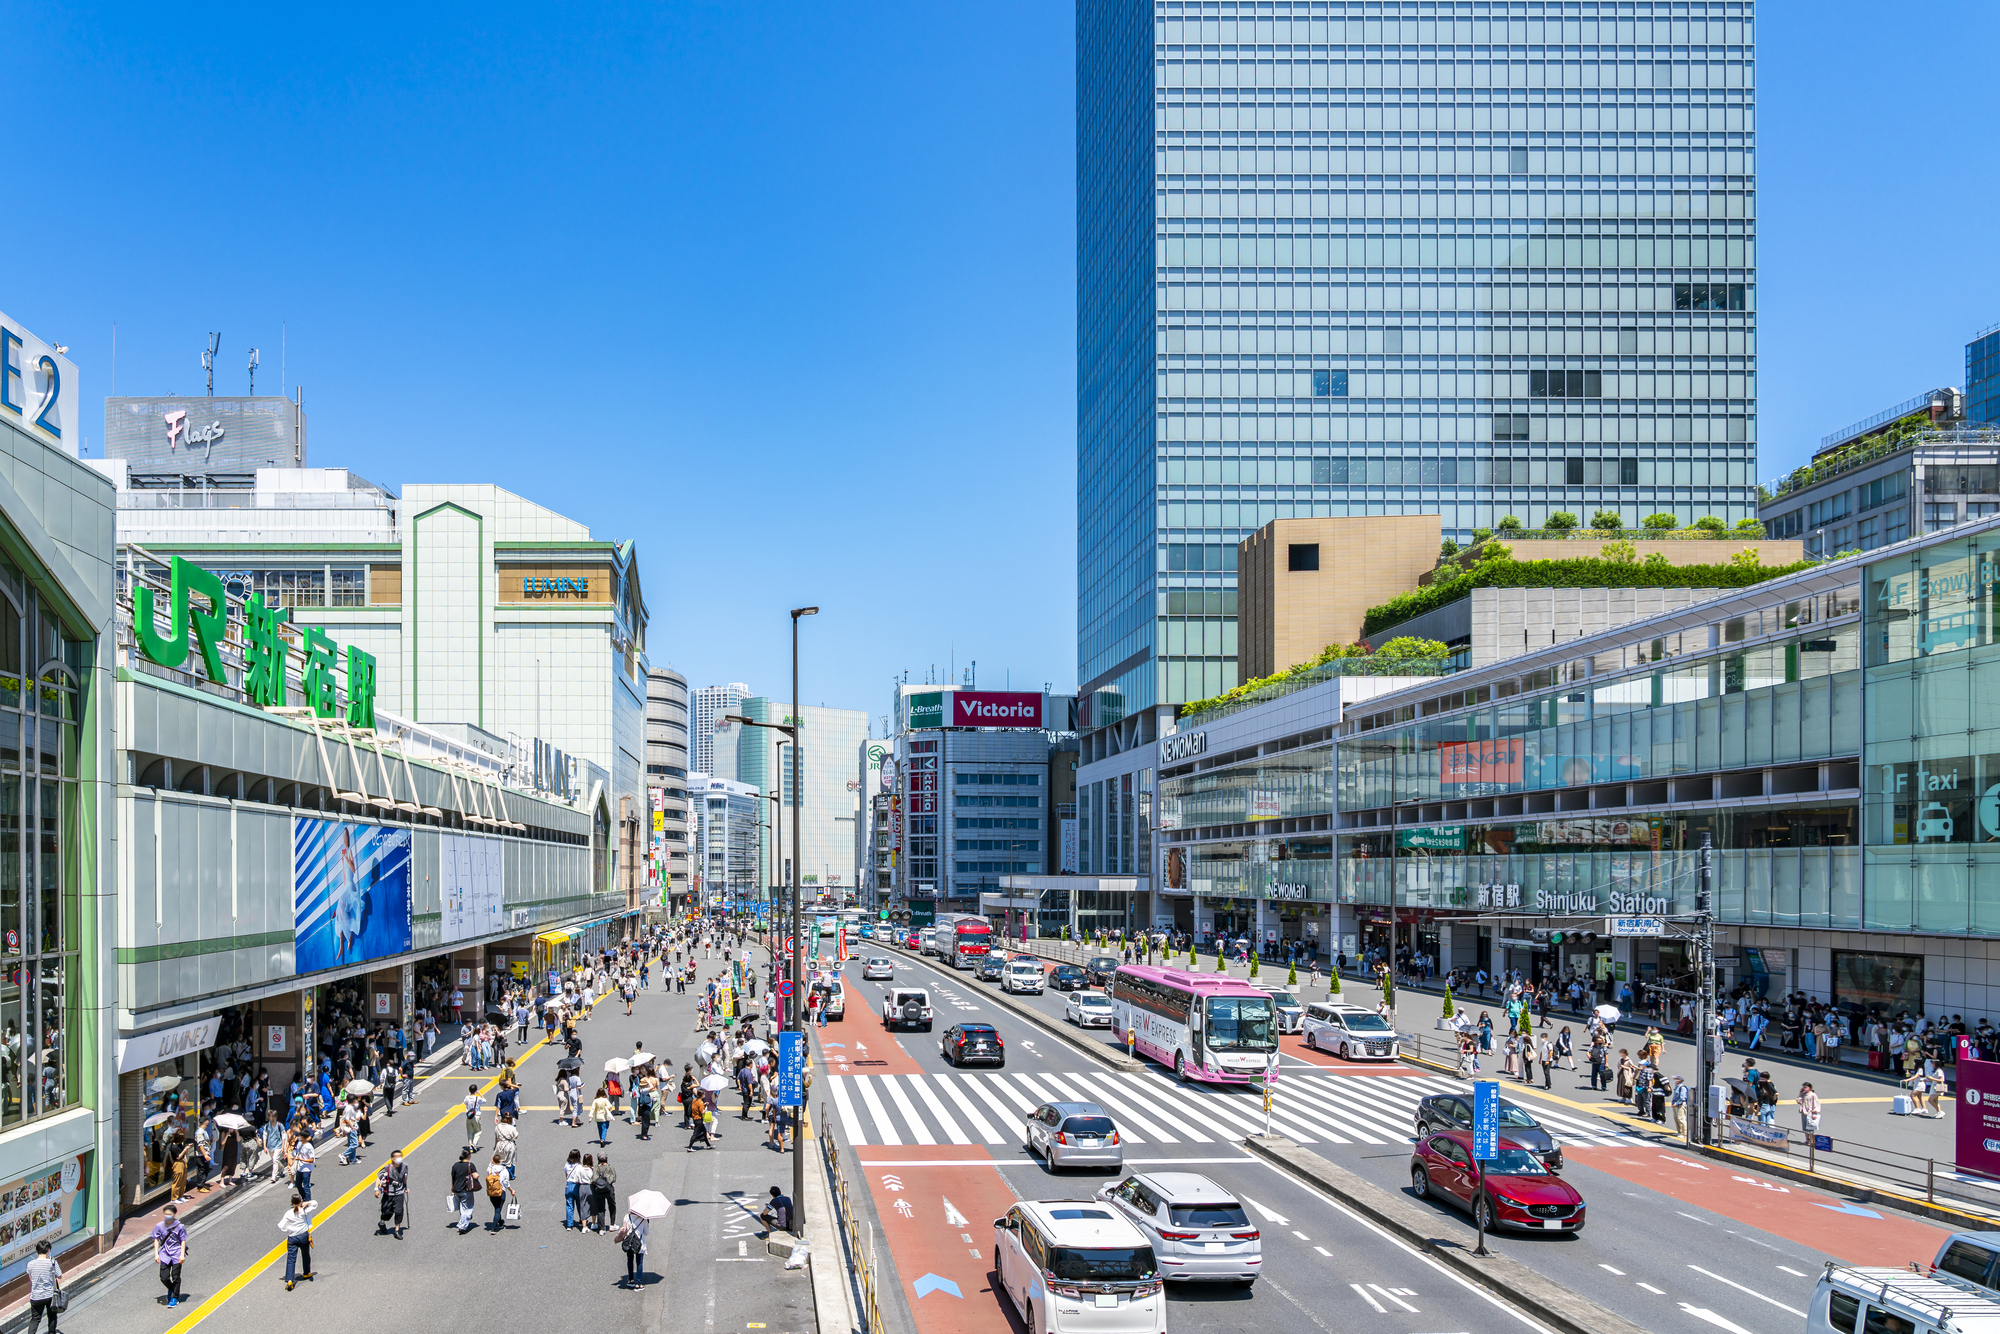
pixel 265 649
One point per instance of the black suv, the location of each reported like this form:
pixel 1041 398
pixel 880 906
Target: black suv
pixel 1100 970
pixel 973 1042
pixel 989 967
pixel 1069 977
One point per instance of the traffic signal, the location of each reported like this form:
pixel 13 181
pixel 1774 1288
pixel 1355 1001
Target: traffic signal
pixel 1557 937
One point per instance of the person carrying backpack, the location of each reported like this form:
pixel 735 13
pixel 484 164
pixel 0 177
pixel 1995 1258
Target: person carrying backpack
pixel 631 1237
pixel 497 1188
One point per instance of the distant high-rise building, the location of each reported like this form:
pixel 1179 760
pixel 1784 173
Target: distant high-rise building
pixel 667 778
pixel 1982 377
pixel 711 705
pixel 1394 258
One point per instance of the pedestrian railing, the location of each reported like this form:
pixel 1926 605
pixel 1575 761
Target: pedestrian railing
pixel 860 1243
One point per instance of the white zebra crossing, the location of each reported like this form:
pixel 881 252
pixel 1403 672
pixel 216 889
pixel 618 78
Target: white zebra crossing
pixel 986 1107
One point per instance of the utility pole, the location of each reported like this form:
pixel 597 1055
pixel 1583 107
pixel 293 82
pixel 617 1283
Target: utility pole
pixel 1704 1008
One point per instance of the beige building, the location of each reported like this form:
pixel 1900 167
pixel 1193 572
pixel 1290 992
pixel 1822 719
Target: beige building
pixel 1305 583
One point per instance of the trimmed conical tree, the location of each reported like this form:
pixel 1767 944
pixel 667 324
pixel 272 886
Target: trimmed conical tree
pixel 1253 965
pixel 1450 1011
pixel 1221 959
pixel 1292 977
pixel 1333 982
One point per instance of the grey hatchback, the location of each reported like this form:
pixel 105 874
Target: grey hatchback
pixel 1074 1134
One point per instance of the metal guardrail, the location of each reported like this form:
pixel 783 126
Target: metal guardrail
pixel 860 1247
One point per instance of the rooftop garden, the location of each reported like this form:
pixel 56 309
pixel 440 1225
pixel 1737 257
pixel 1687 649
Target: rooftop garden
pixel 1620 566
pixel 1407 656
pixel 1608 525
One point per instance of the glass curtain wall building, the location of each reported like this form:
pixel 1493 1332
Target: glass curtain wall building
pixel 1343 259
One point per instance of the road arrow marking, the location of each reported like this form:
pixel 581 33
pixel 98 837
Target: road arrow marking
pixel 1712 1318
pixel 951 1215
pixel 930 1283
pixel 1269 1217
pixel 1845 1208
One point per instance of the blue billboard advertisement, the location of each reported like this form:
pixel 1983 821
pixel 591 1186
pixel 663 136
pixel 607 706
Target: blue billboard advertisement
pixel 350 892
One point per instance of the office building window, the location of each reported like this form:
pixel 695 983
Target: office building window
pixel 1510 426
pixel 1187 556
pixel 1709 296
pixel 1302 556
pixel 1329 384
pixel 1960 479
pixel 1939 516
pixel 1566 384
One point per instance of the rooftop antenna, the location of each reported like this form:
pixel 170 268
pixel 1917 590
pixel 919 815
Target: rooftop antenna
pixel 253 372
pixel 208 360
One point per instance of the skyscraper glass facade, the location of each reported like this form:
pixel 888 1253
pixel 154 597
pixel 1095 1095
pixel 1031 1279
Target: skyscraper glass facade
pixel 1477 260
pixel 1982 376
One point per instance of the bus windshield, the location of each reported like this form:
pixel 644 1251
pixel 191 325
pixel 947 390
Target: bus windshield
pixel 1240 1023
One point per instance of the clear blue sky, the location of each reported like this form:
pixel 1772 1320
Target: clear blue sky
pixel 786 294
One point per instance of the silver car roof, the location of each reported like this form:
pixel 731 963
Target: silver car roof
pixel 1186 1188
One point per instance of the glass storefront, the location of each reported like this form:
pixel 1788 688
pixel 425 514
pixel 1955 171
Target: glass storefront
pixel 1887 984
pixel 169 1094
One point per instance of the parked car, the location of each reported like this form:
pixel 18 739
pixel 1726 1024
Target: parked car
pixel 1450 1111
pixel 1077 1265
pixel 906 1007
pixel 1197 1229
pixel 1088 1009
pixel 1074 1134
pixel 1354 1033
pixel 1023 975
pixel 1101 969
pixel 973 1042
pixel 878 970
pixel 1519 1189
pixel 1069 977
pixel 1291 1014
pixel 989 967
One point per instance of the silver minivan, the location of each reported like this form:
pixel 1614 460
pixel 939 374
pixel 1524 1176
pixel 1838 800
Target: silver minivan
pixel 1854 1300
pixel 1074 1134
pixel 1351 1032
pixel 1198 1230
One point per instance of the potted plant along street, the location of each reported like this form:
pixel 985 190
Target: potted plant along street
pixel 1450 1010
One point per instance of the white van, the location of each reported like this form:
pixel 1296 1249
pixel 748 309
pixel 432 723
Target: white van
pixel 1024 974
pixel 1354 1033
pixel 1852 1300
pixel 1078 1265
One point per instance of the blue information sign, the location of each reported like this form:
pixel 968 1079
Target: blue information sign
pixel 1485 1120
pixel 791 1069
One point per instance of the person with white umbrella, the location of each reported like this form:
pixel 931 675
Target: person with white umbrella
pixel 640 1211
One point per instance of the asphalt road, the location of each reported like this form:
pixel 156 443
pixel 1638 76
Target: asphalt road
pixel 1324 1267
pixel 706 1266
pixel 1674 1242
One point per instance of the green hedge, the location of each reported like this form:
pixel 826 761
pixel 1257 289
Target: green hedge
pixel 1589 573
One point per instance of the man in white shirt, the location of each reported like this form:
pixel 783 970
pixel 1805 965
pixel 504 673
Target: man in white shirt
pixel 296 1224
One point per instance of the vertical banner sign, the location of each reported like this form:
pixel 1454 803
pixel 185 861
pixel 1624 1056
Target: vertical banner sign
pixel 791 1069
pixel 1485 1120
pixel 1979 1116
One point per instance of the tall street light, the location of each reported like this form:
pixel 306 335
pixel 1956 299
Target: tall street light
pixel 776 798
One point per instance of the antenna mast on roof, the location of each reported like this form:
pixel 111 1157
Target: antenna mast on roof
pixel 208 360
pixel 253 372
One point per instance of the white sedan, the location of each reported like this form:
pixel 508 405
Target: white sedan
pixel 879 970
pixel 1088 1009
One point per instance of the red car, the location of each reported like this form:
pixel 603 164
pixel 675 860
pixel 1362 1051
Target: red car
pixel 911 941
pixel 1521 1192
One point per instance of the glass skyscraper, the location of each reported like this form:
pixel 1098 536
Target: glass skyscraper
pixel 1470 259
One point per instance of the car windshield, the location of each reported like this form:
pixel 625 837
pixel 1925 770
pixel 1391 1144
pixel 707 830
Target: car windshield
pixel 1207 1215
pixel 1365 1023
pixel 1104 963
pixel 976 1030
pixel 1102 1264
pixel 1094 1002
pixel 1515 1163
pixel 1088 1126
pixel 1240 1023
pixel 1285 1000
pixel 1510 1115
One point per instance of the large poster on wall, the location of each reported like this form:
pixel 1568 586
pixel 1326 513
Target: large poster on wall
pixel 47 1206
pixel 350 892
pixel 471 884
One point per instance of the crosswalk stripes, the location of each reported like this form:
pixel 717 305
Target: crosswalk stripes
pixel 987 1107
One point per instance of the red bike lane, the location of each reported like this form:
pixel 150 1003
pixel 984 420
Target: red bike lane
pixel 937 1204
pixel 1834 1225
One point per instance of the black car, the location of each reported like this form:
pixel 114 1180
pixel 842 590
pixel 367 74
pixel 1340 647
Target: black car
pixel 1101 969
pixel 989 967
pixel 1449 1111
pixel 1068 977
pixel 973 1042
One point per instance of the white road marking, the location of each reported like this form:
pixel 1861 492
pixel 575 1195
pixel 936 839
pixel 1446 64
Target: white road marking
pixel 1379 1308
pixel 1752 1291
pixel 1793 1272
pixel 1619 1272
pixel 1394 1298
pixel 1657 1292
pixel 1269 1215
pixel 1324 1251
pixel 1300 1235
pixel 1712 1318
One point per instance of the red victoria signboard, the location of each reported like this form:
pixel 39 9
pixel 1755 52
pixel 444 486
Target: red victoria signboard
pixel 996 708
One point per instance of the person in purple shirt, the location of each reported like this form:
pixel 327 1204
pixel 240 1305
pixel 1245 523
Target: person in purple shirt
pixel 170 1250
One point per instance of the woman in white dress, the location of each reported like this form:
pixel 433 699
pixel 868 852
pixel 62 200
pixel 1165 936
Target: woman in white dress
pixel 348 899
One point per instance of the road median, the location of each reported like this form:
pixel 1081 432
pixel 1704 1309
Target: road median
pixel 1503 1276
pixel 1079 1039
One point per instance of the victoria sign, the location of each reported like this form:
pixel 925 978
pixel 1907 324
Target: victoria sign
pixel 995 708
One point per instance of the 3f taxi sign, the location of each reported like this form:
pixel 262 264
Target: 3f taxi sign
pixel 38 388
